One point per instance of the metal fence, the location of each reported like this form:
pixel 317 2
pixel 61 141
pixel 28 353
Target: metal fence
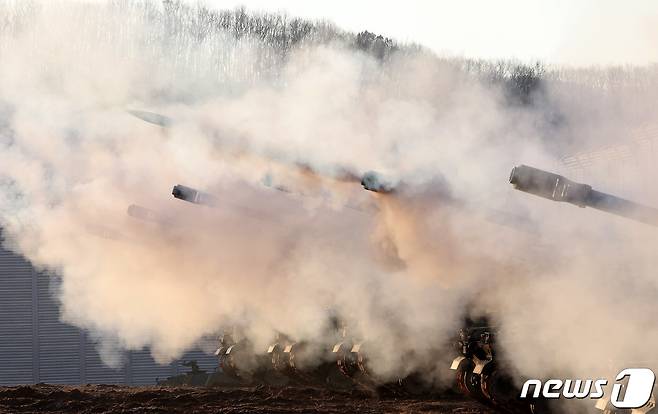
pixel 35 346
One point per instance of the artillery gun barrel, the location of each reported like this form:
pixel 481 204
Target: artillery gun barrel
pixel 152 118
pixel 558 188
pixel 192 195
pixel 375 182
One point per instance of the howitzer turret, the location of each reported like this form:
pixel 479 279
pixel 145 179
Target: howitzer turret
pixel 558 188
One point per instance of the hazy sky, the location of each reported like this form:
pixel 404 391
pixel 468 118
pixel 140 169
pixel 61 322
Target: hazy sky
pixel 578 32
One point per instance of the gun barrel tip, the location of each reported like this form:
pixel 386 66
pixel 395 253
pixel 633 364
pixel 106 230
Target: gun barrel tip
pixel 513 177
pixel 373 181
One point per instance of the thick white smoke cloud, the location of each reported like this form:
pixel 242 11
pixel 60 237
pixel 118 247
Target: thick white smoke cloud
pixel 569 287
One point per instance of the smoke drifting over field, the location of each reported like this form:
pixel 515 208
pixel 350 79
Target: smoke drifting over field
pixel 571 288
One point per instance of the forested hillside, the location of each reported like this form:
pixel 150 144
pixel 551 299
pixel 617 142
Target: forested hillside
pixel 246 47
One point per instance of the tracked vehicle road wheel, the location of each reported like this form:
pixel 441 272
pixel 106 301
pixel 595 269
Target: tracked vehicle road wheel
pixel 469 383
pixel 278 360
pixel 346 360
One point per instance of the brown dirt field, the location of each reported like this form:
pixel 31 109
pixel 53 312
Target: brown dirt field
pixel 43 398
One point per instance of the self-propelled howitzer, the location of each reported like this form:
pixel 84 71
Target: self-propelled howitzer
pixel 558 188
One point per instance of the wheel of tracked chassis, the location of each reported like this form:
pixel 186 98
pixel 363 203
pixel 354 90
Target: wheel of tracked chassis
pixel 469 383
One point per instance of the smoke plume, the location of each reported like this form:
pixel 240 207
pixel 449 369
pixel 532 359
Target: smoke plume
pixel 570 288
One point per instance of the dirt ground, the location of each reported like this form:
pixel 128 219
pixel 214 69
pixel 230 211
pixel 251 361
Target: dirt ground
pixel 43 398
